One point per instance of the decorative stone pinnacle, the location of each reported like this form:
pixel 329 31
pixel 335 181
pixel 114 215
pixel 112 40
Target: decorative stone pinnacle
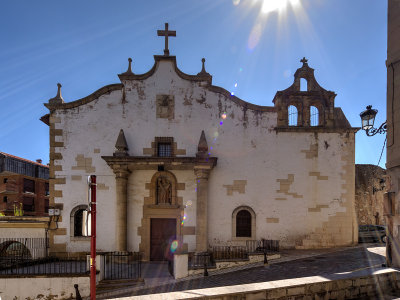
pixel 129 71
pixel 203 146
pixel 304 61
pixel 130 65
pixel 121 145
pixel 58 99
pixel 203 71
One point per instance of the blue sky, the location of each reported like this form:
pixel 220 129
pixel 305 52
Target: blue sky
pixel 85 44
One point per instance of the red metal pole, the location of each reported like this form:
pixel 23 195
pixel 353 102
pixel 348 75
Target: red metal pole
pixel 93 238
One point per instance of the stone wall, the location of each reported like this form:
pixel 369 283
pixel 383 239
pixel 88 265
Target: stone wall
pixel 369 196
pixel 393 123
pixel 44 288
pixel 316 287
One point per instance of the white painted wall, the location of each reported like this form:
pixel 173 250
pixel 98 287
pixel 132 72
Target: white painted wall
pixel 245 143
pixel 43 287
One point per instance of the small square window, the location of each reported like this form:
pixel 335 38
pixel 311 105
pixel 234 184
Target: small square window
pixel 164 149
pixel 5 180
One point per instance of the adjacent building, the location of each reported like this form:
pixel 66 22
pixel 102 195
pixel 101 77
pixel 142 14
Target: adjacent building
pixel 24 186
pixel 393 132
pixel 370 189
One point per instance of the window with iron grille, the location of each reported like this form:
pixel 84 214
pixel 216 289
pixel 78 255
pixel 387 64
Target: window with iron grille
pixel 164 146
pixel 29 186
pixel 164 150
pixel 28 204
pixel 243 224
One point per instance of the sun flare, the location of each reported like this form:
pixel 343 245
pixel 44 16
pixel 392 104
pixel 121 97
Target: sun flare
pixel 272 5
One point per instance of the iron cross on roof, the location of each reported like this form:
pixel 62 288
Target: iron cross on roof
pixel 166 33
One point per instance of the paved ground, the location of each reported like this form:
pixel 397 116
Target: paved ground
pixel 292 264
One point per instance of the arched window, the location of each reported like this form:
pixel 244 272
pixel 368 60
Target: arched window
pixel 243 224
pixel 80 222
pixel 292 115
pixel 314 116
pixel 303 85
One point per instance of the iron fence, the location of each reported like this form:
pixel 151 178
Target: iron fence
pixel 23 248
pixel 200 260
pixel 229 252
pixel 122 265
pixel 262 245
pixel 43 266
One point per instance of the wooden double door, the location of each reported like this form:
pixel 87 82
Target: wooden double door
pixel 162 233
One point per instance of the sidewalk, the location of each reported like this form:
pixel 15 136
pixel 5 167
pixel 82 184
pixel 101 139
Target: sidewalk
pixel 292 264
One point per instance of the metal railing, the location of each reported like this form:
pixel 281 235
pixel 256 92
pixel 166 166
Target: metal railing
pixel 122 265
pixel 262 245
pixel 200 260
pixel 229 252
pixel 43 266
pixel 23 248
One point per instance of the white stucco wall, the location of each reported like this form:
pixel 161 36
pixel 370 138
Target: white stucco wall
pixel 246 144
pixel 43 287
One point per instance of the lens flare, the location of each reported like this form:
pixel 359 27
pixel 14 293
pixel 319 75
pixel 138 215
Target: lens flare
pixel 189 203
pixel 174 246
pixel 254 37
pixel 183 219
pixel 236 84
pixel 223 116
pixel 232 93
pixel 236 2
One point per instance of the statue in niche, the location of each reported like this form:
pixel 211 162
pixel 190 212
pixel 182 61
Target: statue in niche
pixel 164 195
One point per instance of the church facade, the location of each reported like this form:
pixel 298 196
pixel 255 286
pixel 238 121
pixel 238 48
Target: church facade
pixel 179 158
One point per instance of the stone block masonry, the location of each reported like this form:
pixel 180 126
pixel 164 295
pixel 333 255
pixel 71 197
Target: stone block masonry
pixel 316 287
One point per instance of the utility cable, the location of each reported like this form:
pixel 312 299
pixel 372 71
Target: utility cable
pixel 384 143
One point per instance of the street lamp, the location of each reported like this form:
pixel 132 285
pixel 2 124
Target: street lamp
pixel 367 122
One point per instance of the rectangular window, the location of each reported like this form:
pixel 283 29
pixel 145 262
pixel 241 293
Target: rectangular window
pixel 29 186
pixel 164 149
pixel 46 189
pixel 28 204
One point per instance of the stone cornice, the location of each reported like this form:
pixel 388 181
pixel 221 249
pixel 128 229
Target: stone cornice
pixel 152 163
pixel 200 77
pixel 24 222
pixel 157 59
pixel 241 102
pixel 104 90
pixel 317 129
